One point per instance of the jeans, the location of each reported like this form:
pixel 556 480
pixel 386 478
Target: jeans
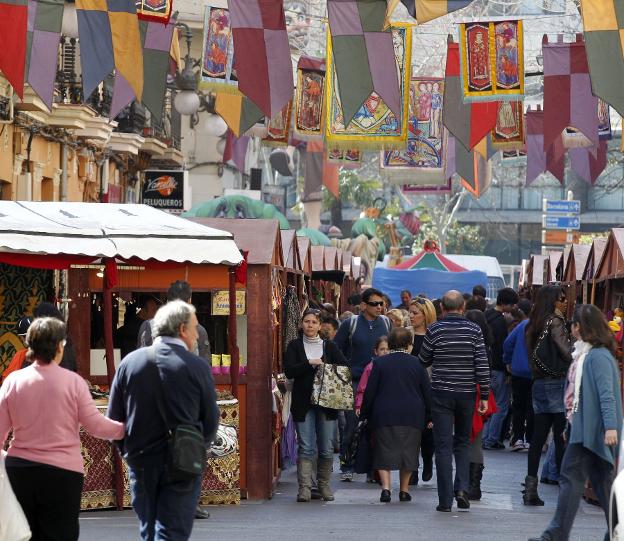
pixel 522 409
pixel 452 423
pixel 549 469
pixel 166 509
pixel 579 464
pixel 350 424
pixel 315 433
pixel 500 389
pixel 548 395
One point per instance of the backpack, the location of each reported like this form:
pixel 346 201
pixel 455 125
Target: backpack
pixel 353 325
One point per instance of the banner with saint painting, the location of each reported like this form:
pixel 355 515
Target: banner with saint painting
pixel 278 128
pixel 309 98
pixel 154 10
pixel 422 160
pixel 374 125
pixel 509 131
pixel 492 60
pixel 217 63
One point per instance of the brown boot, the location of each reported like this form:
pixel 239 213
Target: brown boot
pixel 323 475
pixel 304 478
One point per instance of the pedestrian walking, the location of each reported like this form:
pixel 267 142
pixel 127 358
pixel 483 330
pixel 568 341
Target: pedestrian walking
pixel 549 346
pixel 315 425
pixel 455 350
pixel 156 390
pixel 422 313
pixel 397 407
pixel 45 406
pixel 516 357
pixel 506 301
pixel 595 421
pixel 356 338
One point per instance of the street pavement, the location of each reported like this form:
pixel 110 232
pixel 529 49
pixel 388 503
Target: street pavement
pixel 357 515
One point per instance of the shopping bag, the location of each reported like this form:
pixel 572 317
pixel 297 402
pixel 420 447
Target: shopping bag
pixel 13 523
pixel 332 387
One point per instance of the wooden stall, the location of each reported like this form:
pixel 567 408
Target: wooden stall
pixel 572 280
pixel 537 272
pixel 555 266
pixel 610 272
pixel 304 246
pixel 592 290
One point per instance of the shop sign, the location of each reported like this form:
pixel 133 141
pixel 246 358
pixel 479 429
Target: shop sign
pixel 164 190
pixel 221 303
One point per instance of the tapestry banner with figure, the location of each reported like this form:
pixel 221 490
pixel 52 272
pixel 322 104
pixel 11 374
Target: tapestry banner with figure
pixel 422 161
pixel 278 128
pixel 375 125
pixel 217 63
pixel 350 158
pixel 309 97
pixel 509 131
pixel 492 60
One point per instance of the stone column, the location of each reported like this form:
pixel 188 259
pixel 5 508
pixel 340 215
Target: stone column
pixel 37 177
pixel 56 185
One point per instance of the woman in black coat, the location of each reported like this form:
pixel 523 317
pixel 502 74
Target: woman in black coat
pixel 397 406
pixel 315 425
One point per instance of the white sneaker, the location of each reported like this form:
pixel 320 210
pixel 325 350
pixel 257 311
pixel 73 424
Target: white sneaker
pixel 527 445
pixel 346 476
pixel 519 445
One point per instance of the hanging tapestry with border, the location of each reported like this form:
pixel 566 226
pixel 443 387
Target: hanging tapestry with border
pixel 509 131
pixel 217 62
pixel 374 125
pixel 492 60
pixel 278 128
pixel 154 10
pixel 309 97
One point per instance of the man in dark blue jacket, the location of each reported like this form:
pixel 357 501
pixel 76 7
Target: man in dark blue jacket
pixel 356 338
pixel 181 381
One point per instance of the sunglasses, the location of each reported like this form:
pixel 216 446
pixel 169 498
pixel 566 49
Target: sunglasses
pixel 419 301
pixel 375 303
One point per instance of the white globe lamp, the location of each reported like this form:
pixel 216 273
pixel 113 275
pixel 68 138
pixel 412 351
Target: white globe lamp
pixel 186 102
pixel 215 126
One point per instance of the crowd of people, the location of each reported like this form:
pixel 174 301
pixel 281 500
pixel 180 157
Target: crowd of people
pixel 440 380
pixel 451 377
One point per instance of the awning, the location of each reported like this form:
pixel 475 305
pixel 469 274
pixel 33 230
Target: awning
pixel 104 230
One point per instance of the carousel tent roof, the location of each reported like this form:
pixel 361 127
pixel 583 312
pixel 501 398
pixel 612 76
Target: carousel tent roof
pixel 430 259
pixel 110 230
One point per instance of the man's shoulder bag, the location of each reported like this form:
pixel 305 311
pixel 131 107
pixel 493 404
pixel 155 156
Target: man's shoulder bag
pixel 185 443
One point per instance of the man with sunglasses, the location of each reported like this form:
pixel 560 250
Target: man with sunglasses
pixel 356 338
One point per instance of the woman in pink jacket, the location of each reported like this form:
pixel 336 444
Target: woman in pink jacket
pixel 45 405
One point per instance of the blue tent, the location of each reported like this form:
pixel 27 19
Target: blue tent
pixel 431 282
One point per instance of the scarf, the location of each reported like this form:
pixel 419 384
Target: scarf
pixel 581 349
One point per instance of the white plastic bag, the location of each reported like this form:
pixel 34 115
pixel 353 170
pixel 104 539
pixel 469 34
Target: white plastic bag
pixel 13 523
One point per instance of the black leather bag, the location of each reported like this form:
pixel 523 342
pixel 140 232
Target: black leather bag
pixel 546 357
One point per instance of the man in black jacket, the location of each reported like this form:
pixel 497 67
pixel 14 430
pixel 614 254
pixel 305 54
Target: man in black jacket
pixel 182 382
pixel 506 301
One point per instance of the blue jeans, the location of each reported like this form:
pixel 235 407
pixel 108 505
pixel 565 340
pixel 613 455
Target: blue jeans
pixel 166 509
pixel 500 388
pixel 549 469
pixel 452 424
pixel 578 465
pixel 316 433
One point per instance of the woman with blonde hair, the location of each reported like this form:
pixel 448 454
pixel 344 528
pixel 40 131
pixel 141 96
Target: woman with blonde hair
pixel 422 313
pixel 396 317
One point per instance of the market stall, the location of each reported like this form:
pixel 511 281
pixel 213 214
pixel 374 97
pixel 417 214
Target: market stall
pixel 590 288
pixel 572 278
pixel 537 272
pixel 610 272
pixel 107 248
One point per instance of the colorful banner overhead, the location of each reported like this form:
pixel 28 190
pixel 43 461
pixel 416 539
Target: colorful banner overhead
pixel 262 52
pixel 509 131
pixel 422 161
pixel 603 24
pixel 154 10
pixel 346 158
pixel 278 128
pixel 539 160
pixel 13 28
pixel 309 97
pixel 238 111
pixel 362 54
pixel 468 122
pixel 217 63
pixel 374 125
pixel 428 10
pixel 492 60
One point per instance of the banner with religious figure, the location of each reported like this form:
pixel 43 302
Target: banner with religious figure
pixel 309 97
pixel 217 63
pixel 509 131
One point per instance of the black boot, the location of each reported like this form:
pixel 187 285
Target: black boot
pixel 427 472
pixel 530 496
pixel 476 474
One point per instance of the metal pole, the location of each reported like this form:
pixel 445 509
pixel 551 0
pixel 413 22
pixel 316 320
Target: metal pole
pixel 63 193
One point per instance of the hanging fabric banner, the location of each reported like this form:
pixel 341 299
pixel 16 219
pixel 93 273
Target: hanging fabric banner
pixel 45 18
pixel 217 61
pixel 278 128
pixel 509 131
pixel 492 60
pixel 586 165
pixel 262 52
pixel 156 45
pixel 468 122
pixel 13 28
pixel 109 40
pixel 347 158
pixel 568 98
pixel 538 160
pixel 238 111
pixel 604 121
pixel 603 24
pixel 154 10
pixel 428 10
pixel 313 179
pixel 422 161
pixel 362 54
pixel 374 125
pixel 474 166
pixel 309 97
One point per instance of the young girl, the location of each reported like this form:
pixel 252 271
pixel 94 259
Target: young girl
pixel 381 348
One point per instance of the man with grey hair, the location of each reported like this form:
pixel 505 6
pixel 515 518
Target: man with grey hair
pixel 454 348
pixel 167 376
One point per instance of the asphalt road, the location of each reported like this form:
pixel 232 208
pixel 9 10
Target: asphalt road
pixel 357 515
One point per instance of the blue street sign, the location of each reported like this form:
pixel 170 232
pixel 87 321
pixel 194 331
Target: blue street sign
pixel 561 222
pixel 563 206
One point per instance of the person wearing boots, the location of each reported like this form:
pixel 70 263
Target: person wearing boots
pixel 315 425
pixel 550 355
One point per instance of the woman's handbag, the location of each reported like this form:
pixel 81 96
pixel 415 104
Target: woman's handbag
pixel 546 357
pixel 13 523
pixel 332 388
pixel 359 453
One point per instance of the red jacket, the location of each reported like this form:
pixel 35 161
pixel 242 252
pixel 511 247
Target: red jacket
pixel 479 420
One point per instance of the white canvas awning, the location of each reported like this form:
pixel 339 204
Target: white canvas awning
pixel 111 230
